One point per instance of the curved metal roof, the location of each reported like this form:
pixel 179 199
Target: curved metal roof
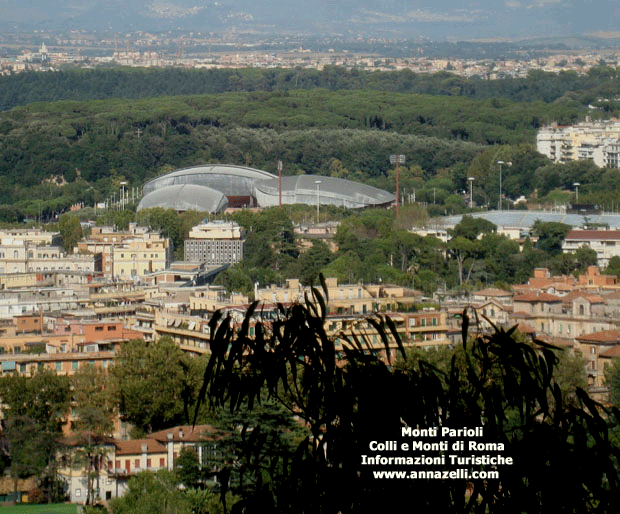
pixel 308 189
pixel 526 219
pixel 185 197
pixel 230 180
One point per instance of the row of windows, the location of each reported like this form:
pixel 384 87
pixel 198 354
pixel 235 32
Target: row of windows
pixel 423 322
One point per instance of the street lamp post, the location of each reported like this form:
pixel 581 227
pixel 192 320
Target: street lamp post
pixel 576 184
pixel 471 192
pixel 318 199
pixel 508 163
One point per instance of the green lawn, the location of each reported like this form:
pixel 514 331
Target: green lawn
pixel 60 508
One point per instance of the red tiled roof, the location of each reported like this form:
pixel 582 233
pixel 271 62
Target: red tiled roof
pixel 614 351
pixel 604 336
pixel 134 447
pixel 186 433
pixel 593 235
pixel 557 341
pixel 592 298
pixel 526 329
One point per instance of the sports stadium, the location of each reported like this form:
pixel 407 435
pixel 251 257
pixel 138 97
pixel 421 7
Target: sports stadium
pixel 213 188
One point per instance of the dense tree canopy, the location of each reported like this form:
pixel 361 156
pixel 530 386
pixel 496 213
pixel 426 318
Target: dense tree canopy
pixel 154 383
pixel 557 437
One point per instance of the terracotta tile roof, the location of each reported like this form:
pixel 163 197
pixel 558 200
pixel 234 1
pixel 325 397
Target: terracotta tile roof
pixel 614 351
pixel 134 447
pixel 593 235
pixel 563 287
pixel 522 314
pixel 187 433
pixel 557 341
pixel 592 298
pixel 537 297
pixel 604 336
pixel 526 329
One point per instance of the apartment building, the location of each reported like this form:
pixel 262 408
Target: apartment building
pixel 118 461
pixel 597 141
pixel 135 252
pixel 26 256
pixel 606 243
pixel 215 243
pixel 141 256
pixel 345 298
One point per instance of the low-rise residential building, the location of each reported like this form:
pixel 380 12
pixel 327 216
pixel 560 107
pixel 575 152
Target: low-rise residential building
pixel 114 462
pixel 592 346
pixel 606 243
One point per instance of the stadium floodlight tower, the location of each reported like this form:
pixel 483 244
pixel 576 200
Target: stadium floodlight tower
pixel 397 159
pixel 318 200
pixel 471 192
pixel 508 163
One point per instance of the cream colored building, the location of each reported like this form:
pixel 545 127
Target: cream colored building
pixel 24 256
pixel 596 141
pixel 141 255
pixel 344 298
pixel 103 241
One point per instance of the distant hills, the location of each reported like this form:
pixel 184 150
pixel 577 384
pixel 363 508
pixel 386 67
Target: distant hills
pixel 440 19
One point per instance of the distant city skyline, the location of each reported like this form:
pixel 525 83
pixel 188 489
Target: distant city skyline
pixel 439 19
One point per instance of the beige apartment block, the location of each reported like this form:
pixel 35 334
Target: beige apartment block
pixel 597 141
pixel 23 256
pixel 140 256
pixel 103 241
pixel 344 298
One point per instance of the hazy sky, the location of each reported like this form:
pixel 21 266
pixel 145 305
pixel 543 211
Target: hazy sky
pixel 440 18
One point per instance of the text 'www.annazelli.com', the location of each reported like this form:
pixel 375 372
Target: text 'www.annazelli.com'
pixel 438 475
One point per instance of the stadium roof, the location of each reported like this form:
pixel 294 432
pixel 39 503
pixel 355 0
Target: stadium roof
pixel 185 197
pixel 308 189
pixel 526 219
pixel 230 180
